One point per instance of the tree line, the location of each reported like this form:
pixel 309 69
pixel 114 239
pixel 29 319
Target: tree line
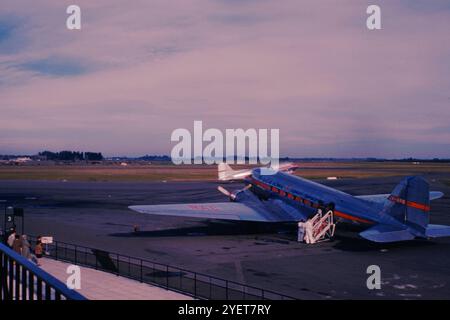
pixel 72 156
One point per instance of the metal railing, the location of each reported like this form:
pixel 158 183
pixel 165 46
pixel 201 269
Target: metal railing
pixel 194 284
pixel 21 279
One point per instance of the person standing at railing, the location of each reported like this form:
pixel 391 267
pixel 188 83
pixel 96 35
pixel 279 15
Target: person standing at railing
pixel 11 237
pixel 38 250
pixel 17 244
pixel 26 252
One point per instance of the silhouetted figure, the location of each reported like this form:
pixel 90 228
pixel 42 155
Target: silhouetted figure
pixel 10 237
pixel 26 251
pixel 38 250
pixel 17 244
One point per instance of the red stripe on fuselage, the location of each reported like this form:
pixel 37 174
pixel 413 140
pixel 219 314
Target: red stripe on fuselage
pixel 349 217
pixel 306 202
pixel 411 204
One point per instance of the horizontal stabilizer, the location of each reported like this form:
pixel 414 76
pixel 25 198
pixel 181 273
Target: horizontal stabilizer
pixel 436 231
pixel 436 195
pixel 381 198
pixel 385 233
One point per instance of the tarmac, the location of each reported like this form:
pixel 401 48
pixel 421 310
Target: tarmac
pixel 95 214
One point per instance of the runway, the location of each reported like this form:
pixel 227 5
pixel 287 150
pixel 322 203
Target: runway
pixel 95 214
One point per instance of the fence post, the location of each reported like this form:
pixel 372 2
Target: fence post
pixel 181 279
pixel 167 276
pixel 56 250
pixel 117 259
pixel 142 278
pixel 210 288
pixel 195 285
pixel 226 289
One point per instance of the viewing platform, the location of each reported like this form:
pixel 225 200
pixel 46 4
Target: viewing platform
pixel 99 285
pixel 112 276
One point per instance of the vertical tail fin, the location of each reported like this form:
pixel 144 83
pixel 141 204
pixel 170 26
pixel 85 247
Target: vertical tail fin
pixel 225 171
pixel 410 202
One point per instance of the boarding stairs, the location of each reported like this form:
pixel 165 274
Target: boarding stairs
pixel 323 226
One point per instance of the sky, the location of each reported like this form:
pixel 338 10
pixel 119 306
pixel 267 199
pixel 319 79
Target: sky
pixel 137 70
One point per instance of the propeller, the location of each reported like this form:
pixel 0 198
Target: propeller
pixel 232 195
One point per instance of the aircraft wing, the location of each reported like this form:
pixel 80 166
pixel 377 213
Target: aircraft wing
pixel 221 210
pixel 248 208
pixel 380 198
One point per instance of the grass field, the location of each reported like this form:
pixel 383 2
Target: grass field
pixel 169 172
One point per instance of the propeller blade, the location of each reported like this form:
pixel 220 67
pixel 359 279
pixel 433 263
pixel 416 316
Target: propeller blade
pixel 224 191
pixel 232 195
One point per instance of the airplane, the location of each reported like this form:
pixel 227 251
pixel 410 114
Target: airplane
pixel 226 173
pixel 282 197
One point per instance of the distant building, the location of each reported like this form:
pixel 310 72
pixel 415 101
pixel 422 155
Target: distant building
pixel 21 159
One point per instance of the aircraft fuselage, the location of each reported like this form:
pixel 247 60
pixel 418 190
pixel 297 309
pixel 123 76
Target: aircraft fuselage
pixel 307 195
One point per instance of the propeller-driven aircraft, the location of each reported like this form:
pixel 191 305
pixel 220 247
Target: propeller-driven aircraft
pixel 226 173
pixel 282 197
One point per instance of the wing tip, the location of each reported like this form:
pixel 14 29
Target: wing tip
pixel 135 208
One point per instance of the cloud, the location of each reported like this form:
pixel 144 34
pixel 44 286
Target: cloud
pixel 5 31
pixel 135 73
pixel 12 38
pixel 55 66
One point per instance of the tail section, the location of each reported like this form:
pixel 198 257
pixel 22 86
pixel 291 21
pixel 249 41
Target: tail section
pixel 410 203
pixel 225 171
